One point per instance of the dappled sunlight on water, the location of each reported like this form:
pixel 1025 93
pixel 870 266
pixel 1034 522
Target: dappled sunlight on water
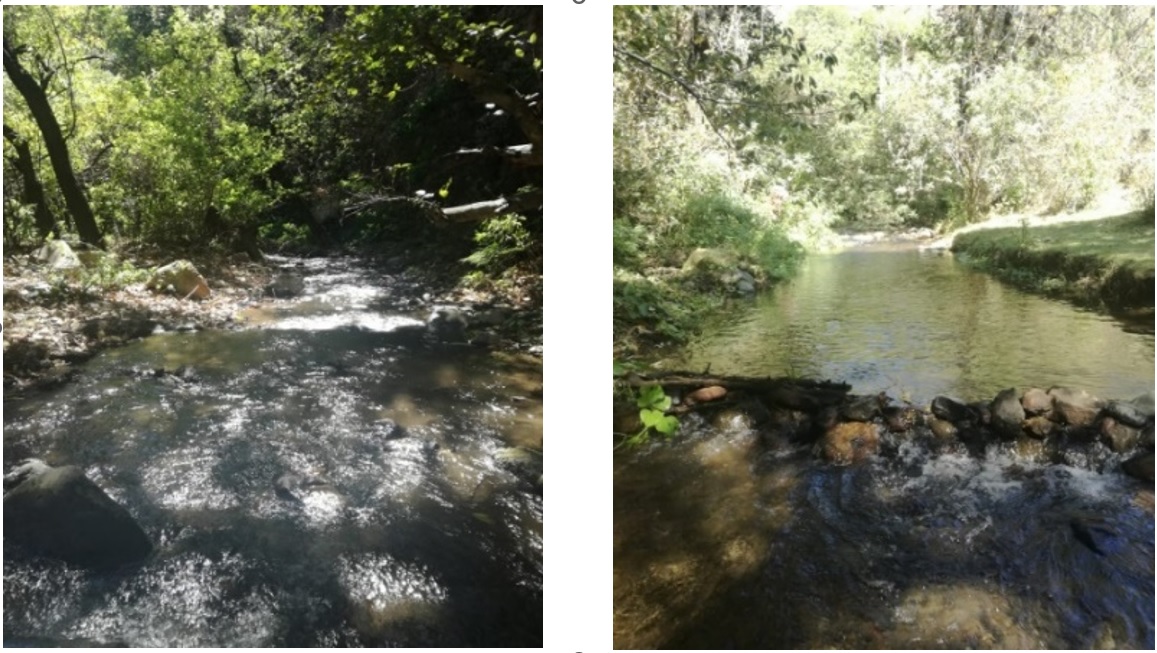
pixel 401 523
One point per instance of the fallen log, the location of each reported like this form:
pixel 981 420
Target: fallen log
pixel 783 392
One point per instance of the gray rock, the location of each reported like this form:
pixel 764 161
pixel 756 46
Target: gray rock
pixel 1129 414
pixel 860 409
pixel 286 285
pixel 57 255
pixel 1007 413
pixel 60 513
pixel 954 411
pixel 447 324
pixel 745 287
pixel 180 277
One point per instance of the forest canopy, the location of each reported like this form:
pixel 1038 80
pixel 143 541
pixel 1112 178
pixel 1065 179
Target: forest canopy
pixel 185 125
pixel 758 131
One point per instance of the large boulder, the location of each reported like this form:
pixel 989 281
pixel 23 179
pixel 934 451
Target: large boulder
pixel 708 260
pixel 1076 407
pixel 850 442
pixel 58 512
pixel 180 277
pixel 57 255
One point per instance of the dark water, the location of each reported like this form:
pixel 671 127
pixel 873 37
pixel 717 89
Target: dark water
pixel 432 539
pixel 919 324
pixel 728 538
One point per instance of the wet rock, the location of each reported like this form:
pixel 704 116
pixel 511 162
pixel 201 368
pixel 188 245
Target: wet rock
pixel 952 410
pixel 1007 413
pixel 447 324
pixel 982 412
pixel 1147 436
pixel 1098 535
pixel 1128 414
pixel 704 395
pixel 860 409
pixel 900 419
pixel 180 277
pixel 942 428
pixel 850 442
pixel 491 317
pixel 732 419
pixel 1036 402
pixel 285 286
pixel 745 287
pixel 1075 407
pixel 388 429
pixel 1140 466
pixel 1032 449
pixel 1039 427
pixel 293 486
pixel 524 463
pixel 1117 436
pixel 486 339
pixel 60 513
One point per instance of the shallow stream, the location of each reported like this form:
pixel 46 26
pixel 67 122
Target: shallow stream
pixel 424 527
pixel 727 538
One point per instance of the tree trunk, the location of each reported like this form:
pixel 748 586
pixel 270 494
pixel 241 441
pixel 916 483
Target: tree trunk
pixel 41 110
pixel 33 192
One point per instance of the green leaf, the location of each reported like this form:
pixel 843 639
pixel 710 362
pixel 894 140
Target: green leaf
pixel 620 369
pixel 668 425
pixel 444 191
pixel 651 418
pixel 533 38
pixel 519 53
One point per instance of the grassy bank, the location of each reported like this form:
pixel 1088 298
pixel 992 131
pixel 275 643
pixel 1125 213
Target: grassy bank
pixel 1102 263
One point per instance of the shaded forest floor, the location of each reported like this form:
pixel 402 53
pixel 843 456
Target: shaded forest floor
pixel 55 319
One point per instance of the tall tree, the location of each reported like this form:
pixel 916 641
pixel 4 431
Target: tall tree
pixel 32 90
pixel 33 191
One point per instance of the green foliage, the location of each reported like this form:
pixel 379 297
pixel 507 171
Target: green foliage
pixel 500 242
pixel 285 235
pixel 653 405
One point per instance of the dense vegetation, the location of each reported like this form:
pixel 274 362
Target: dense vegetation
pixel 249 128
pixel 758 131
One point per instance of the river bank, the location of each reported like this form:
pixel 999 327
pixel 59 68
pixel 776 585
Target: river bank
pixel 1106 263
pixel 55 319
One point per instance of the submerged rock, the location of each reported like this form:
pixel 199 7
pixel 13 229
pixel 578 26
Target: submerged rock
pixel 1140 466
pixel 60 513
pixel 850 442
pixel 286 285
pixel 1039 427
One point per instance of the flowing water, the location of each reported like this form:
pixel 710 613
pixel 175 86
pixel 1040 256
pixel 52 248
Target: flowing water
pixel 424 527
pixel 728 538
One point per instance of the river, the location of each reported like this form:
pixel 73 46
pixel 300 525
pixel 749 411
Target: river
pixel 424 527
pixel 726 538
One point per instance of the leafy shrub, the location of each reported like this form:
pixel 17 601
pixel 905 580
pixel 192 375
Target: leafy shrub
pixel 501 241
